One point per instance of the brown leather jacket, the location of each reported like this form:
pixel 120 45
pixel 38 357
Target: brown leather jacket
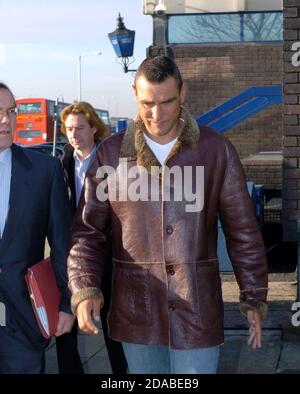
pixel 166 283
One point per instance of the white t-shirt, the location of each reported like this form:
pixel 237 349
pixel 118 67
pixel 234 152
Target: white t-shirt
pixel 161 151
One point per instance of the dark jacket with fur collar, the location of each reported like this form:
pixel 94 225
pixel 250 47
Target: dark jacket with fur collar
pixel 166 283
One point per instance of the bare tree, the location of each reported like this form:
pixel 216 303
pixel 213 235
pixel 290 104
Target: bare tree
pixel 225 27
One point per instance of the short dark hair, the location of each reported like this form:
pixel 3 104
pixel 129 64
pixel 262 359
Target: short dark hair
pixel 4 86
pixel 157 69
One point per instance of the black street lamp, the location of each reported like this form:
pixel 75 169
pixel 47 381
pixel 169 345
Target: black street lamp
pixel 122 40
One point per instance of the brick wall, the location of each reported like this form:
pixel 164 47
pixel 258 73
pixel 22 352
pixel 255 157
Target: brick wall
pixel 215 73
pixel 291 123
pixel 264 170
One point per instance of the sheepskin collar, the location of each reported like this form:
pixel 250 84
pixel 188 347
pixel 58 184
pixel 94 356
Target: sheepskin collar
pixel 134 146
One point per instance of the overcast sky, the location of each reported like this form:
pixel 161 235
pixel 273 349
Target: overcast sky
pixel 40 42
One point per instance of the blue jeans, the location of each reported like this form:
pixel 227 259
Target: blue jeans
pixel 158 359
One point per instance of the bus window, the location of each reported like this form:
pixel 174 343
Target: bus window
pixel 30 134
pixel 50 107
pixel 29 108
pixel 61 106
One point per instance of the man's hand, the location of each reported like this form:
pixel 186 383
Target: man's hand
pixel 65 323
pixel 87 311
pixel 254 320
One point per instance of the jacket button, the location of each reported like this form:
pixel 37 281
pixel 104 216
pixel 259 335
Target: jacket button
pixel 171 308
pixel 169 230
pixel 170 270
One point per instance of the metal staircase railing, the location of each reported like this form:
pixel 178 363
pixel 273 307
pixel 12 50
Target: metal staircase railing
pixel 241 107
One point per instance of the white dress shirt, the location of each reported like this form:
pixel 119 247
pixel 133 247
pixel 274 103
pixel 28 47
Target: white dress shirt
pixel 81 167
pixel 5 176
pixel 160 151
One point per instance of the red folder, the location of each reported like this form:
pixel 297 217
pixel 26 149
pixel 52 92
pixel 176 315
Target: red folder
pixel 45 296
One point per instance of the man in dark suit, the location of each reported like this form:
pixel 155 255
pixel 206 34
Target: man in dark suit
pixel 34 206
pixel 84 130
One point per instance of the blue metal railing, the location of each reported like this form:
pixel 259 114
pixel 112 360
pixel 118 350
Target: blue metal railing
pixel 237 109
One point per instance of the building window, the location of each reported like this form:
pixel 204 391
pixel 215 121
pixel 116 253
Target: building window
pixel 228 27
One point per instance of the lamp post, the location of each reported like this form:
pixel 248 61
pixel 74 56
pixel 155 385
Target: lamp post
pixel 122 40
pixel 79 69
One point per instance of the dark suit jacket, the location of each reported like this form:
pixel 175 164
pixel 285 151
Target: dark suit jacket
pixel 38 208
pixel 69 168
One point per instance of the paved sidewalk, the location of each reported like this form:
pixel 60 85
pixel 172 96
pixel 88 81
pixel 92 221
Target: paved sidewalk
pixel 281 342
pixel 92 351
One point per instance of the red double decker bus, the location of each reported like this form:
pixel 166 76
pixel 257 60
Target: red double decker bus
pixel 36 118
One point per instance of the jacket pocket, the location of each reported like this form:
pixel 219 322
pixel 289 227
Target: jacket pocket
pixel 131 302
pixel 209 295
